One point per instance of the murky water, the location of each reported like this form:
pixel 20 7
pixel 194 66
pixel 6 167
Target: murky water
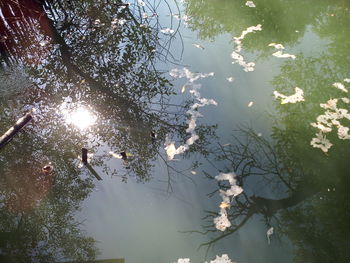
pixel 165 96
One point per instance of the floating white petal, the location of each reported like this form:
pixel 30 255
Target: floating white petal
pixel 198 46
pixel 320 141
pixel 331 118
pixel 280 54
pixel 223 259
pixel 296 97
pixel 269 233
pixel 222 222
pixel 250 4
pixel 277 46
pixel 167 31
pixel 340 86
pixel 170 148
pixel 236 56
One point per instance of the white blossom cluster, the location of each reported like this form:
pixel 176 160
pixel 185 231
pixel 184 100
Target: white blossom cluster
pixel 170 147
pixel 280 53
pixel 167 31
pixel 237 57
pixel 250 4
pixel 298 96
pixel 222 222
pixel 330 119
pixel 223 259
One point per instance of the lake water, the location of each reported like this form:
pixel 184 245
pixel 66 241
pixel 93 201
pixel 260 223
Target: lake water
pixel 165 96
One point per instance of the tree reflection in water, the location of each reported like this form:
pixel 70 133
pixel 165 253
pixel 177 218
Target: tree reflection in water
pixel 73 55
pixel 102 55
pixel 297 189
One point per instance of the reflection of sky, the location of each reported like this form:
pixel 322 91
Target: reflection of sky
pixel 141 223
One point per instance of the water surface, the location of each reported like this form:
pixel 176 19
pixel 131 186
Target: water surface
pixel 100 75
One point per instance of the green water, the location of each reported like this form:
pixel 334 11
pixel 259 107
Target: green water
pixel 95 75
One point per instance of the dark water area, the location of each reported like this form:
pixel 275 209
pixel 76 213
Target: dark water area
pixel 218 125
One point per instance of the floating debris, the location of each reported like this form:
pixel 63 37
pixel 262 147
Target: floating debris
pixel 153 136
pixel 43 43
pixel 269 233
pixel 345 100
pixel 186 19
pixel 331 118
pixel 193 172
pixel 198 46
pixel 280 54
pixel 340 86
pixel 221 222
pixel 177 16
pixel 141 3
pixel 277 46
pixel 185 73
pixel 117 156
pixel 343 133
pixel 250 104
pixel 298 96
pixel 238 40
pixel 170 148
pixel 84 155
pixel 236 56
pixel 224 205
pixel 250 4
pixel 167 31
pixel 47 169
pixel 320 141
pixel 124 156
pixel 8 136
pixel 230 79
pixel 223 259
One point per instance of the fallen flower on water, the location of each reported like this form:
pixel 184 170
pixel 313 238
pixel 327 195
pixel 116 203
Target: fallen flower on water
pixel 320 141
pixel 167 31
pixel 340 86
pixel 280 54
pixel 222 222
pixel 269 233
pixel 277 46
pixel 298 96
pixel 250 4
pixel 198 46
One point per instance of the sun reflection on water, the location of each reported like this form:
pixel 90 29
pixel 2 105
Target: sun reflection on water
pixel 80 116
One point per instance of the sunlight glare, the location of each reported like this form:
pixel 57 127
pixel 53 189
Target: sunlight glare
pixel 81 117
